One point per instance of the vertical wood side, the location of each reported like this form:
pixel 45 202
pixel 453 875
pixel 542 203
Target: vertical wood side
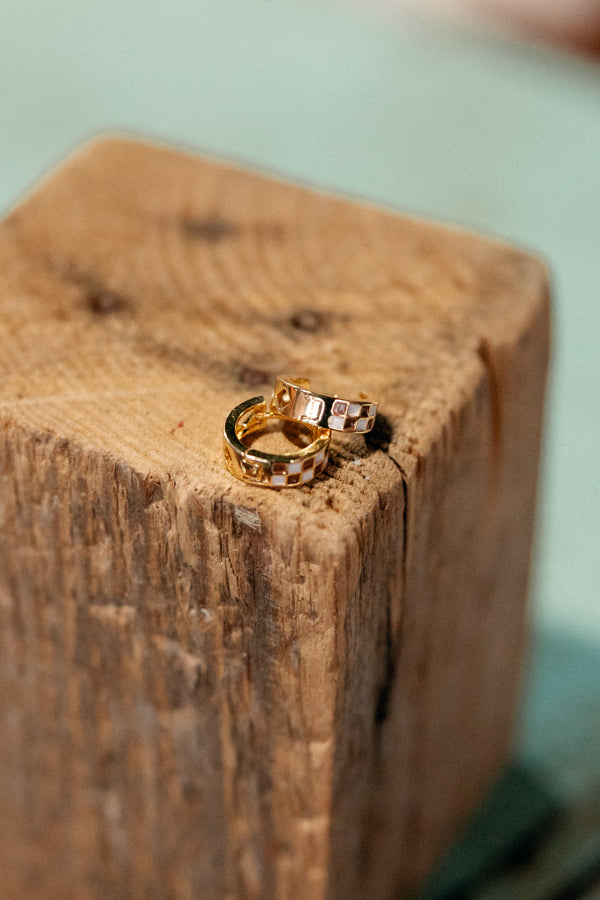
pixel 172 679
pixel 459 646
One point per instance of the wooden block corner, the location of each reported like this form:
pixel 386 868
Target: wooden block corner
pixel 214 690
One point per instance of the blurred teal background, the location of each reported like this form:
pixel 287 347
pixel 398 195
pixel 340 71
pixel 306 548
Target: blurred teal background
pixel 456 125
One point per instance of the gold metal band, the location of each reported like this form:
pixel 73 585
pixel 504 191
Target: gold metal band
pixel 293 398
pixel 270 469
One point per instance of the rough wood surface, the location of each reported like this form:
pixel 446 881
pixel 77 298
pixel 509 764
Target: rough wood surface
pixel 213 690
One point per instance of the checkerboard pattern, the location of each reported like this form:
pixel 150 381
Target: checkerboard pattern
pixel 349 416
pixel 287 474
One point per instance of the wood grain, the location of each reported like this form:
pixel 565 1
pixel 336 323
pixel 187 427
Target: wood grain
pixel 213 690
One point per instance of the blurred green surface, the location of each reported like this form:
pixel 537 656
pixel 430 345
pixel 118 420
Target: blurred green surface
pixel 462 127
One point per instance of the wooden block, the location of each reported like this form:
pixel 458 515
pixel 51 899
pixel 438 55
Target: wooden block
pixel 213 690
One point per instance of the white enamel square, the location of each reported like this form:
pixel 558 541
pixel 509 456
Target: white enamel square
pixel 294 467
pixel 336 422
pixel 361 425
pixel 307 474
pixel 314 409
pixel 373 410
pixel 278 480
pixel 319 457
pixel 354 409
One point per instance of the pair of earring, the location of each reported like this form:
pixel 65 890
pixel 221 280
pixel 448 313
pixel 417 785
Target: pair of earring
pixel 313 417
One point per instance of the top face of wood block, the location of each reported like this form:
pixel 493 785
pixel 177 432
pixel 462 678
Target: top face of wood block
pixel 144 293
